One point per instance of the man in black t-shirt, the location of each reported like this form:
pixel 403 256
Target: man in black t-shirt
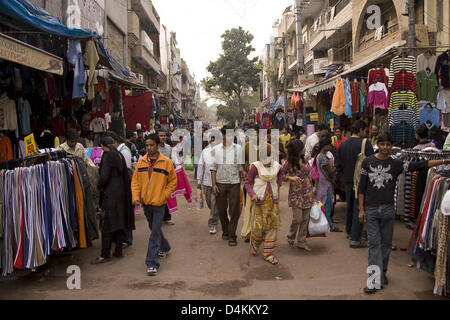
pixel 376 191
pixel 347 155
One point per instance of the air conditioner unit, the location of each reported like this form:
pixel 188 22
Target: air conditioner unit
pixel 140 78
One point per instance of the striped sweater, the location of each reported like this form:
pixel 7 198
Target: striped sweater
pixel 399 98
pixel 403 80
pixel 408 115
pixel 409 64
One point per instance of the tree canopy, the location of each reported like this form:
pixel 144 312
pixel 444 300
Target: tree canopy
pixel 233 74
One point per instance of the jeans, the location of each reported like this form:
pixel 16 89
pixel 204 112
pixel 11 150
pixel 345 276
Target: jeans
pixel 380 230
pixel 157 242
pixel 350 200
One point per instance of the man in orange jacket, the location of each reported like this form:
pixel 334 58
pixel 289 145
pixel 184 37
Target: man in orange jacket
pixel 158 169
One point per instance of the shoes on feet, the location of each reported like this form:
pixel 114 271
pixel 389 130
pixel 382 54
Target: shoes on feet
pixel 370 291
pixel 358 246
pixel 335 229
pixel 170 223
pixel 225 237
pixel 212 230
pixel 163 254
pixel 152 271
pixel 126 245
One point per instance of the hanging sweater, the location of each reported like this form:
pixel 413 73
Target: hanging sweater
pixel 399 63
pixel 400 98
pixel 8 114
pixel 427 86
pixel 425 61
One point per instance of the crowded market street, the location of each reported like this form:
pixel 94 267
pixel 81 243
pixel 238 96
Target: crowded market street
pixel 202 267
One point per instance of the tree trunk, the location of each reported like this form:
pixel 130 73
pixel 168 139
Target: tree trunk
pixel 241 109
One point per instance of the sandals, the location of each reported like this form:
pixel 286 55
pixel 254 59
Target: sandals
pixel 232 243
pixel 100 260
pixel 411 265
pixel 272 260
pixel 253 251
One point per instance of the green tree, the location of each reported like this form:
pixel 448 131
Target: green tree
pixel 233 73
pixel 230 111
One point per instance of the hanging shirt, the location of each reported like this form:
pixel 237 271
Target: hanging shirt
pixel 338 103
pixel 427 86
pixel 24 113
pixel 378 96
pixel 91 57
pixel 362 96
pixel 403 81
pixel 98 125
pixel 75 57
pixel 377 75
pixel 8 114
pixel 355 96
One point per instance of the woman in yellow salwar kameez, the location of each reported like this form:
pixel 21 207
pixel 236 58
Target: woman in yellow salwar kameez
pixel 263 183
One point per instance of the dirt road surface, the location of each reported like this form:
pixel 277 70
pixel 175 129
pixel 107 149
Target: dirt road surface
pixel 203 266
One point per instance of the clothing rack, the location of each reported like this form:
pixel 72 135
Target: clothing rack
pixel 34 159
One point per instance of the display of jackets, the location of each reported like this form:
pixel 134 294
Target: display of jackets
pixel 407 115
pixel 338 103
pixel 75 57
pixel 425 61
pixel 427 86
pixel 403 81
pixel 442 69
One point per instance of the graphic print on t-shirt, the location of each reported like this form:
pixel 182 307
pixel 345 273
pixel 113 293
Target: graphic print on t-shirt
pixel 379 175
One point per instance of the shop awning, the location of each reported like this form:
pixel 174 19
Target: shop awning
pixel 330 83
pixel 125 82
pixel 22 12
pixel 27 55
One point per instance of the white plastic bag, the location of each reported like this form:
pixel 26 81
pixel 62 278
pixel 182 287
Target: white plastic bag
pixel 316 212
pixel 319 227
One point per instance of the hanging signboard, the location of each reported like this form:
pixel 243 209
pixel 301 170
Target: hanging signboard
pixel 314 117
pixel 24 54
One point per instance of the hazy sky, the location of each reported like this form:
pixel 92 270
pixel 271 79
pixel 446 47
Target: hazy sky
pixel 200 23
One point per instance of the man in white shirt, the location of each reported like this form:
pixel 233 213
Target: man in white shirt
pixel 312 140
pixel 226 173
pixel 164 148
pixel 204 180
pixel 72 147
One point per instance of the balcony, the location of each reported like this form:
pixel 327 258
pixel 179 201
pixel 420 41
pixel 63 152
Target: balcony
pixel 133 29
pixel 343 15
pixel 143 52
pixel 147 13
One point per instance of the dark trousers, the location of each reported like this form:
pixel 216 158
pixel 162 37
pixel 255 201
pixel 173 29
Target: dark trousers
pixel 354 227
pixel 229 194
pixel 167 215
pixel 108 238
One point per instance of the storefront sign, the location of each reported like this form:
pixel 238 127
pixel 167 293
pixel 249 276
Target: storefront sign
pixel 306 80
pixel 314 117
pixel 24 54
pixel 30 145
pixel 320 65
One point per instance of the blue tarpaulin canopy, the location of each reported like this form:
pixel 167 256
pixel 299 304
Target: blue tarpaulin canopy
pixel 26 12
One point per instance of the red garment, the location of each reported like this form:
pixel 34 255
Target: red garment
pixel 151 164
pixel 298 102
pixel 377 75
pixel 258 117
pixel 403 80
pixel 59 126
pixel 18 259
pixel 138 109
pixel 355 96
pixel 337 143
pixel 50 86
pixel 6 152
